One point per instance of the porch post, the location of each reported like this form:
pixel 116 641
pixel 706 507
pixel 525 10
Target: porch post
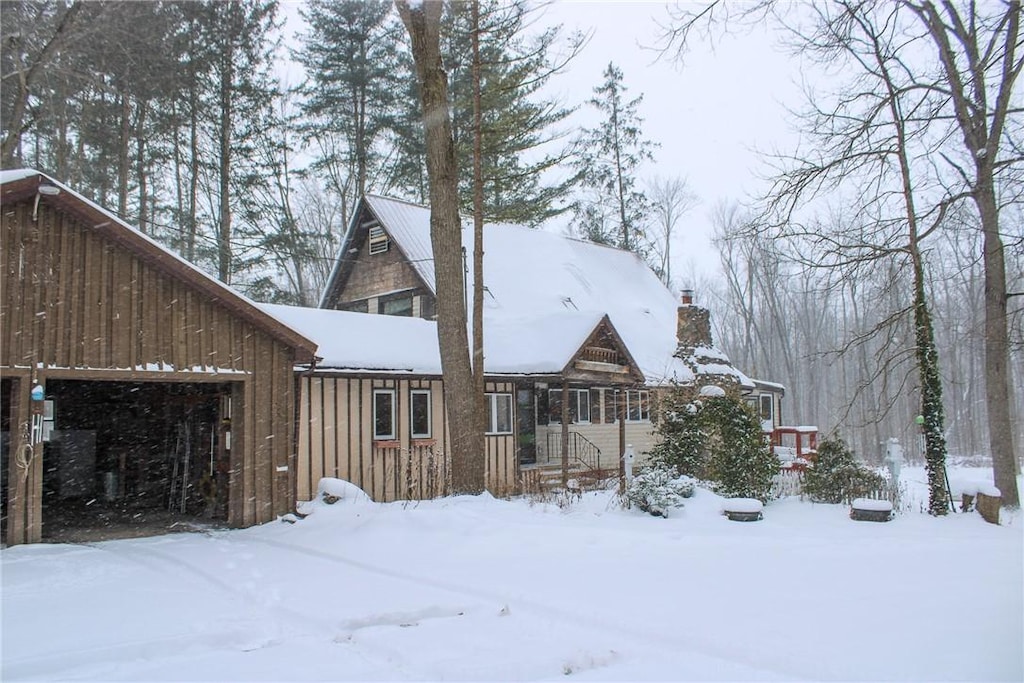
pixel 565 433
pixel 620 406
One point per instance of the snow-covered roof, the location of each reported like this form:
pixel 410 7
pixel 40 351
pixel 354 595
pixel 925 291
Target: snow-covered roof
pixel 12 181
pixel 11 175
pixel 536 278
pixel 364 342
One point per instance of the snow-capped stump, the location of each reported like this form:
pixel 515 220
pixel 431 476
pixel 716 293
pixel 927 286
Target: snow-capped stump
pixel 332 490
pixel 990 499
pixel 743 509
pixel 968 491
pixel 870 510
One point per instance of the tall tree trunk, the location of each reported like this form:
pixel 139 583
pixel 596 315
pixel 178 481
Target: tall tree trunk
pixel 140 164
pixel 226 81
pixel 423 22
pixel 191 226
pixel 478 232
pixel 997 351
pixel 122 155
pixel 981 125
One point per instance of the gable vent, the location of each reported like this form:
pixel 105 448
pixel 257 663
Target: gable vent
pixel 379 242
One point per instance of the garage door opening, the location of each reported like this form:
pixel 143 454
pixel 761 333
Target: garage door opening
pixel 129 459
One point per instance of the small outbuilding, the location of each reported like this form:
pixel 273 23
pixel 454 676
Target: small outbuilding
pixel 136 389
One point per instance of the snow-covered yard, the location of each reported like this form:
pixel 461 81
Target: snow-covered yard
pixel 475 588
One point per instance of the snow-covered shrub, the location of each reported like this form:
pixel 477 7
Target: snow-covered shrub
pixel 717 439
pixel 837 477
pixel 658 489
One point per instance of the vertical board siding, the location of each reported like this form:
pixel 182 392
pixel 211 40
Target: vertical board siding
pixel 72 299
pixel 335 417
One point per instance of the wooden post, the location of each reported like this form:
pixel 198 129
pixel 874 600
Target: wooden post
pixel 620 406
pixel 25 470
pixel 565 433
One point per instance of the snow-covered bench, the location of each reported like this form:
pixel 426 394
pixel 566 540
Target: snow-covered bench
pixel 869 510
pixel 742 509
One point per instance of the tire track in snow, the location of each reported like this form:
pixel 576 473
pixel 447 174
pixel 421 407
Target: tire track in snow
pixel 765 661
pixel 104 658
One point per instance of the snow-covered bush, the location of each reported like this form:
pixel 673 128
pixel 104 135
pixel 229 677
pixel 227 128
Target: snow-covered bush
pixel 716 439
pixel 658 489
pixel 837 477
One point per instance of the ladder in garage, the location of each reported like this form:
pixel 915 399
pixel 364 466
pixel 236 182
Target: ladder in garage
pixel 178 493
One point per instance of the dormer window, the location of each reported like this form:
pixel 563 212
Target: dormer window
pixel 379 241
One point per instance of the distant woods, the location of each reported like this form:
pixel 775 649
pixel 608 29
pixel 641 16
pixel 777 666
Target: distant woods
pixel 181 118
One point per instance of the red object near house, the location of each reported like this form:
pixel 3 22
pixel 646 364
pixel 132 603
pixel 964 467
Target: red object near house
pixel 795 447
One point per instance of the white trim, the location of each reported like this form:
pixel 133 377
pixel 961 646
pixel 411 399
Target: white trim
pixel 394 410
pixel 412 413
pixel 492 413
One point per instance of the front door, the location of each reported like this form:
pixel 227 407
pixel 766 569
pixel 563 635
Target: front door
pixel 526 427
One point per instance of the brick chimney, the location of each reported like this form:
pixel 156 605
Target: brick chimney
pixel 693 325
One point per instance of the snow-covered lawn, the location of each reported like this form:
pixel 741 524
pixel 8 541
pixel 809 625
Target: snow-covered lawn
pixel 475 588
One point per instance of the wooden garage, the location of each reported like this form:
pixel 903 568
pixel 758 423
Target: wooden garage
pixel 133 384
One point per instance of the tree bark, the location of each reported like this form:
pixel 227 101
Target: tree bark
pixel 423 22
pixel 226 101
pixel 478 232
pixel 981 126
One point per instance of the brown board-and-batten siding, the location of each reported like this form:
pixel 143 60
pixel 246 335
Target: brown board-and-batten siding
pixel 83 299
pixel 335 439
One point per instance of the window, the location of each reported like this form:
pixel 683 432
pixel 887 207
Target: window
pixel 398 306
pixel 383 414
pixel 419 413
pixel 379 242
pixel 611 412
pixel 579 405
pixel 554 406
pixel 361 306
pixel 499 413
pixel 638 406
pixel 767 412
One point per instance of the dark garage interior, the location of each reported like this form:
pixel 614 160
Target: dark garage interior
pixel 127 459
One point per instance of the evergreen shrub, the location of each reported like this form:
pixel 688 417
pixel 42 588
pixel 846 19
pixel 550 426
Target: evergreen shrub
pixel 658 489
pixel 717 440
pixel 836 476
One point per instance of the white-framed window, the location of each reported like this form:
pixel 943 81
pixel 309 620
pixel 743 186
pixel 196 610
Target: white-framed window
pixel 499 413
pixel 579 406
pixel 638 406
pixel 767 408
pixel 419 413
pixel 384 410
pixel 379 241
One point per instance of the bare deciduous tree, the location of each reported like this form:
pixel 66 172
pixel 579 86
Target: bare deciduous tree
pixel 670 199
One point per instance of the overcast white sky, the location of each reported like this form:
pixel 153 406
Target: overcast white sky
pixel 709 116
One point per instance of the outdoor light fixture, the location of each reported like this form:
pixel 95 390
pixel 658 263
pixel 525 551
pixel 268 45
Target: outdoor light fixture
pixel 49 191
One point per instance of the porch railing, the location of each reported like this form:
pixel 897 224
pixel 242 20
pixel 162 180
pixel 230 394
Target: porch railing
pixel 583 453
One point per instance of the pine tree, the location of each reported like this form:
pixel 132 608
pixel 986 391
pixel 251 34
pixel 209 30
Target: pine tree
pixel 351 59
pixel 609 159
pixel 517 121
